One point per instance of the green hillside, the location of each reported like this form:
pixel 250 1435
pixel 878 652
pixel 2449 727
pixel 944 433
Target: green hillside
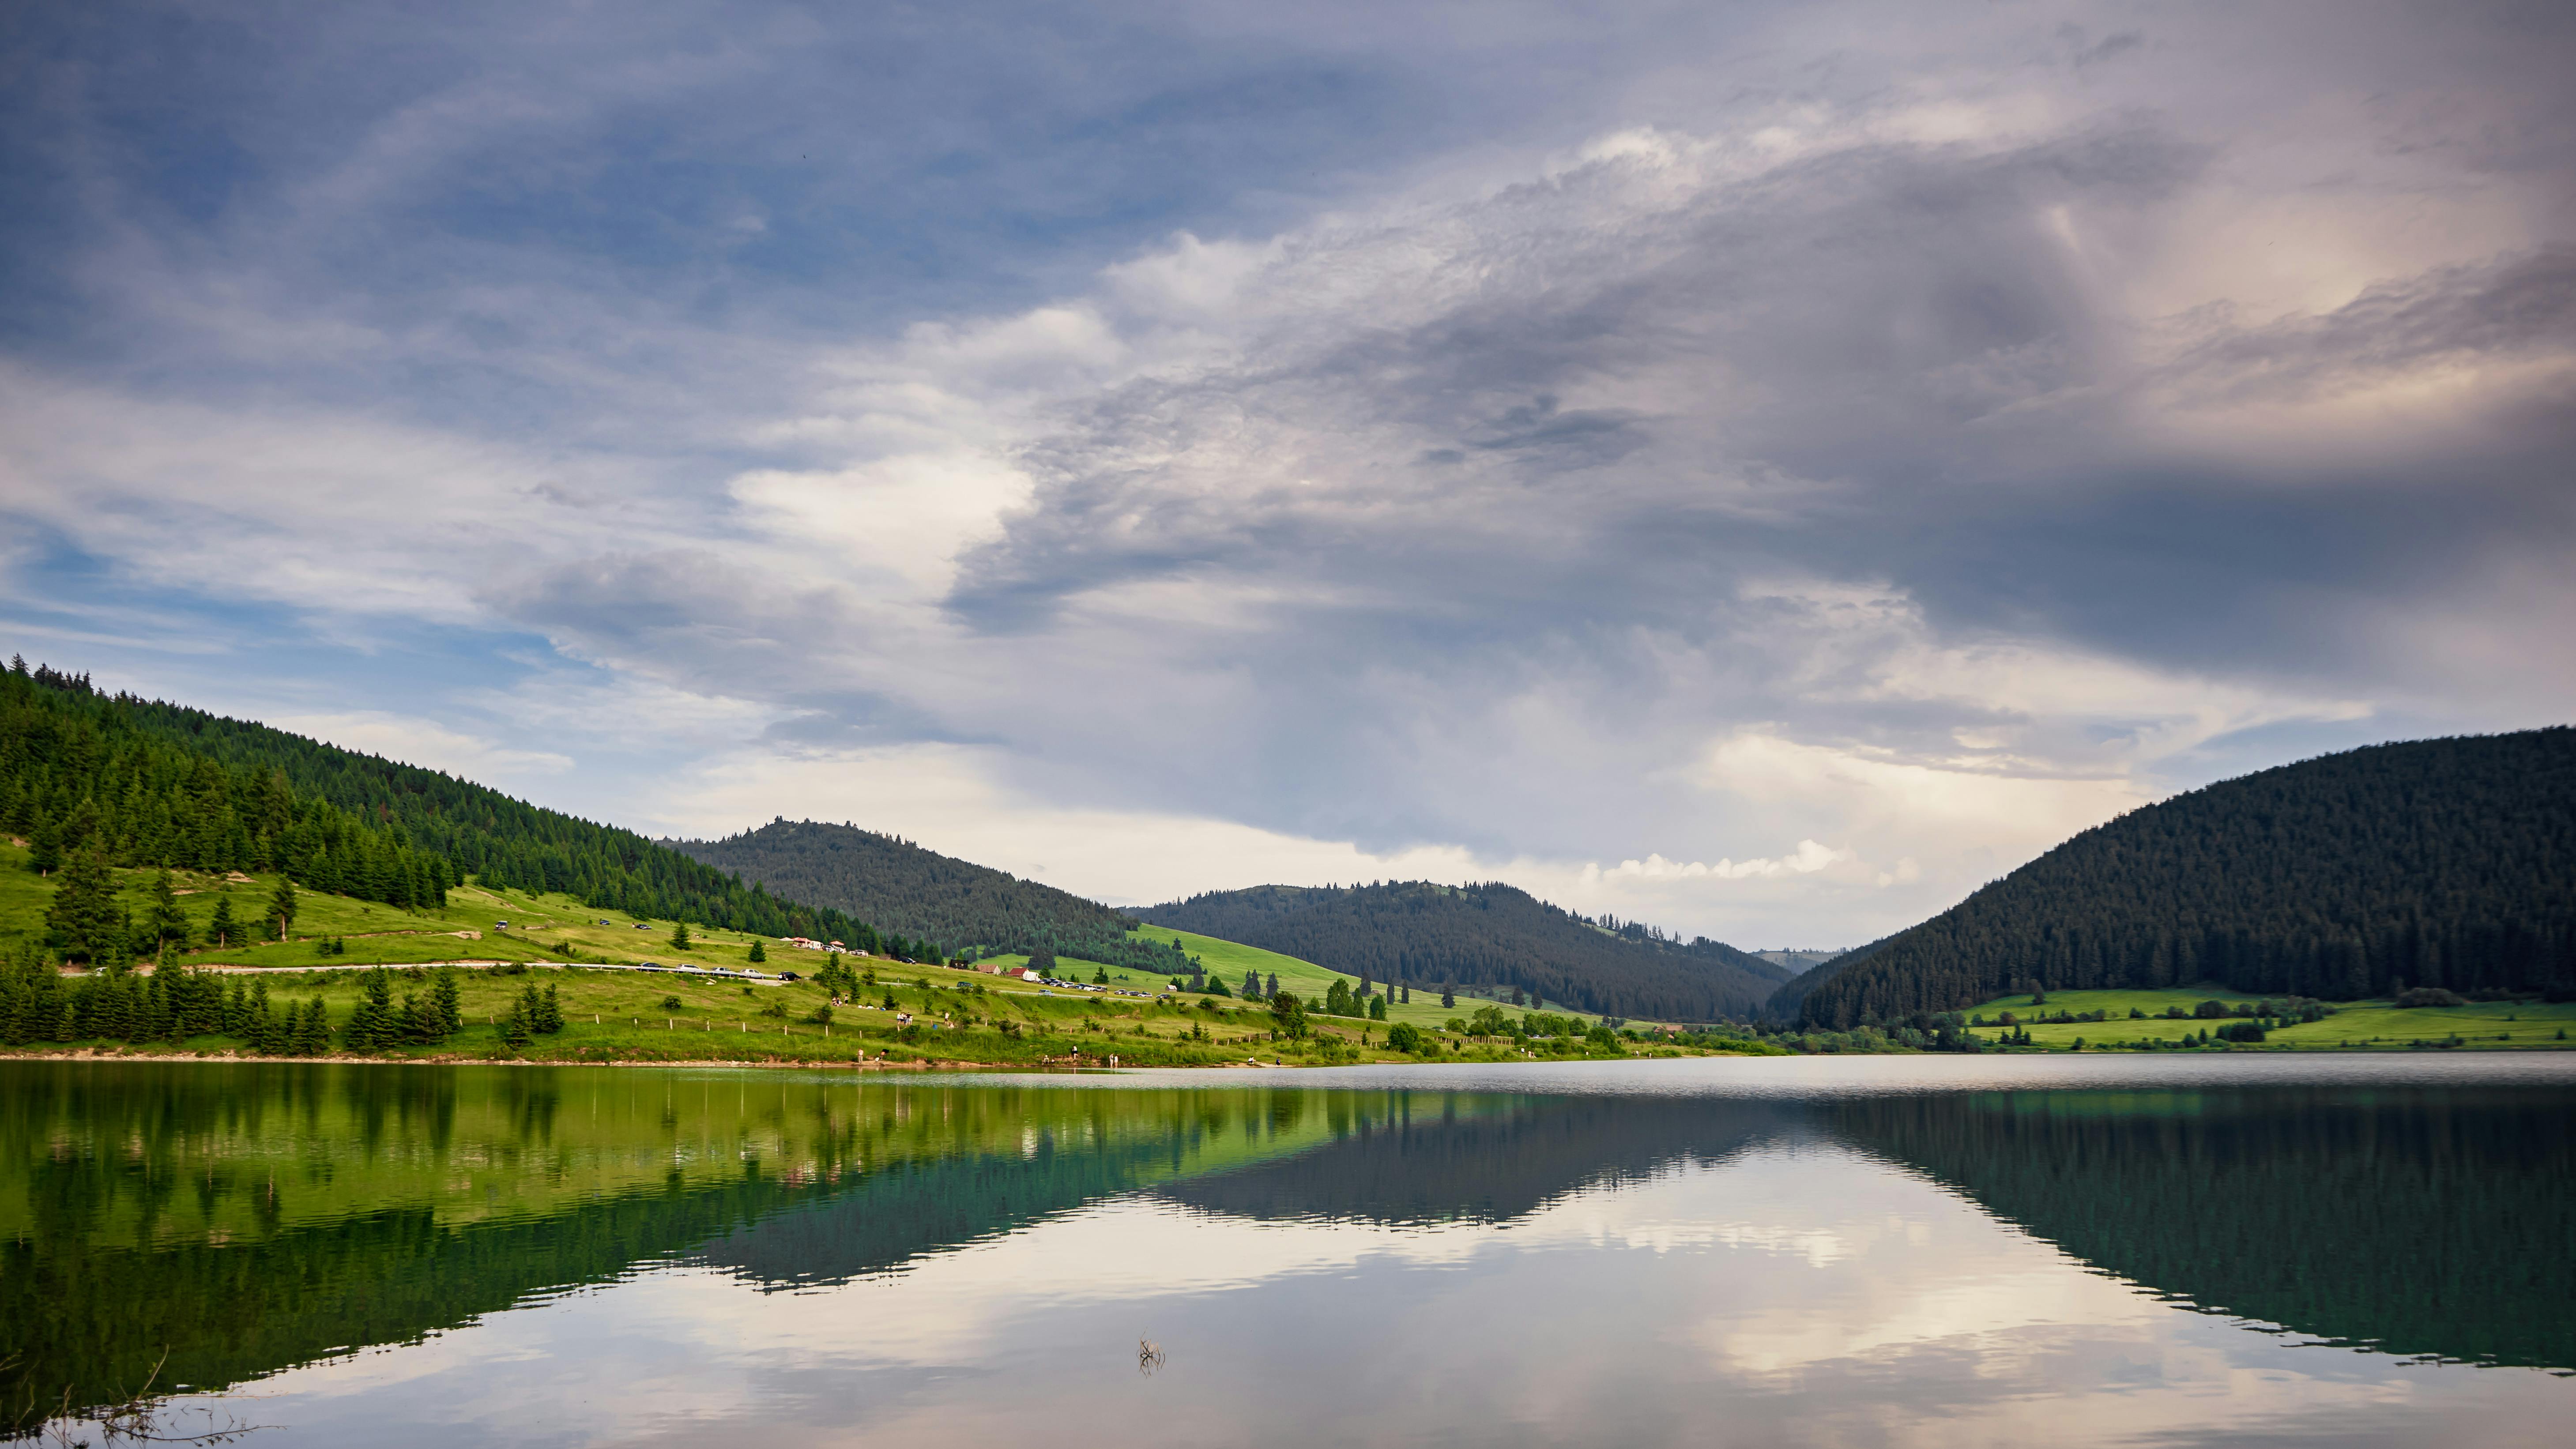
pixel 142 782
pixel 1486 936
pixel 900 886
pixel 2444 863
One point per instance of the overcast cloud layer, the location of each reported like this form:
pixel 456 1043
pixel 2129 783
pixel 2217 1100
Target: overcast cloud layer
pixel 1764 470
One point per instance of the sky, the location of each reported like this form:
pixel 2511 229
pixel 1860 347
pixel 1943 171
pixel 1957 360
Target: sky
pixel 1760 469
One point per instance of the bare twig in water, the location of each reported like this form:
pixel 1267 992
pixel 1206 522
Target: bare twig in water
pixel 1149 1355
pixel 137 1419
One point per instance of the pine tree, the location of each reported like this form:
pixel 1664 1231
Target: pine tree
pixel 527 1017
pixel 679 935
pixel 1251 985
pixel 281 908
pixel 410 1023
pixel 550 1012
pixel 313 1037
pixel 446 1013
pixel 223 932
pixel 371 1024
pixel 45 847
pixel 84 917
pixel 757 954
pixel 167 924
pixel 1448 995
pixel 1274 984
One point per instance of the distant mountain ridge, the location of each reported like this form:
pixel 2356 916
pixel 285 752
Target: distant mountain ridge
pixel 909 888
pixel 2448 863
pixel 1425 934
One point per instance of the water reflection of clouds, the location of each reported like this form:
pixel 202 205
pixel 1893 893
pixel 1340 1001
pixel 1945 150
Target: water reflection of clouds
pixel 1789 1295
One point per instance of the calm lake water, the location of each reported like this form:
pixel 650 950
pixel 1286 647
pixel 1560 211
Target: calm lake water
pixel 2041 1251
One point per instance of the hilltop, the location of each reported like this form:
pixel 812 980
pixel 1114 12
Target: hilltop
pixel 2445 863
pixel 1489 935
pixel 904 887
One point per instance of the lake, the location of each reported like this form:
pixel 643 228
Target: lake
pixel 1832 1251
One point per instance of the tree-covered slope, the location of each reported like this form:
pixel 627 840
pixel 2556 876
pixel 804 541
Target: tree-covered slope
pixel 1427 934
pixel 151 783
pixel 2445 863
pixel 903 887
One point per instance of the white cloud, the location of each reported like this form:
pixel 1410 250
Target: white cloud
pixel 419 742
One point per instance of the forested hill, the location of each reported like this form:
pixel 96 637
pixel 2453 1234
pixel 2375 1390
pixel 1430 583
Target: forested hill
pixel 1427 935
pixel 904 887
pixel 144 782
pixel 2447 863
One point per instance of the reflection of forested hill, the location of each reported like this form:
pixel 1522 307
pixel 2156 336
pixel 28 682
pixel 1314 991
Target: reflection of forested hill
pixel 910 1208
pixel 1438 1159
pixel 96 1321
pixel 2439 1223
pixel 247 1219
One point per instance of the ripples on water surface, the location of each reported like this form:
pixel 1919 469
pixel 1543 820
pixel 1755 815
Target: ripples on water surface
pixel 1830 1251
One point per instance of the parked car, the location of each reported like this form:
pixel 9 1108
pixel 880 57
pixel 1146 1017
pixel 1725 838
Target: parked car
pixel 787 976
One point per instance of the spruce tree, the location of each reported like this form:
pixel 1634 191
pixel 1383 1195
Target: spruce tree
pixel 1274 984
pixel 314 1039
pixel 223 931
pixel 84 917
pixel 550 1012
pixel 679 935
pixel 281 907
pixel 1448 994
pixel 371 1022
pixel 167 924
pixel 757 954
pixel 45 855
pixel 446 1012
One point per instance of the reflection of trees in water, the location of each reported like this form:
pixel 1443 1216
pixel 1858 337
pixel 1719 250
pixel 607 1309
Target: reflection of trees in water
pixel 2420 1223
pixel 868 1177
pixel 2437 1223
pixel 1440 1157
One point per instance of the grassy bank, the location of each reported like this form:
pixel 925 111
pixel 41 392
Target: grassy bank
pixel 2353 1026
pixel 955 1015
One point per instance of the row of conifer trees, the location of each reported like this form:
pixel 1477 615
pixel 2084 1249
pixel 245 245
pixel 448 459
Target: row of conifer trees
pixel 174 1003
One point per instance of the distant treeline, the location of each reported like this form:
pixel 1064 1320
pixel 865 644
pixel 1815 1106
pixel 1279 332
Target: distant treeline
pixel 2447 863
pixel 1424 934
pixel 904 887
pixel 150 783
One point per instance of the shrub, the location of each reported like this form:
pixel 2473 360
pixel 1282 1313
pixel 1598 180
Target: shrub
pixel 2428 996
pixel 670 1003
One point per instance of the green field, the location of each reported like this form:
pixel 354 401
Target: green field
pixel 2355 1024
pixel 1228 960
pixel 962 1015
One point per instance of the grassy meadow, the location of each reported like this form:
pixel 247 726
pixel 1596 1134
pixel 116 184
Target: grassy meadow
pixel 2355 1025
pixel 1228 960
pixel 509 939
